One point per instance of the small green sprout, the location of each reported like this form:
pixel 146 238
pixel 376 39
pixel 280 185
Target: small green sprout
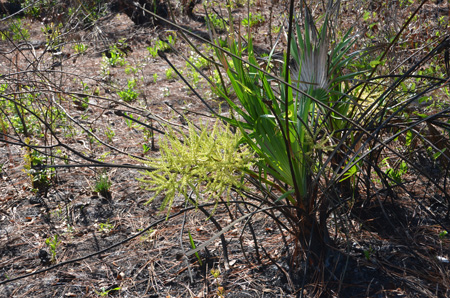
pixel 169 74
pixel 80 48
pixel 253 20
pixel 110 134
pixel 102 186
pixel 105 227
pixel 105 292
pixel 115 57
pixel 129 94
pixel 53 244
pixel 153 51
pixel 191 241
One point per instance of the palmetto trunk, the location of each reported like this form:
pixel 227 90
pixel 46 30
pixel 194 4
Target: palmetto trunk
pixel 312 230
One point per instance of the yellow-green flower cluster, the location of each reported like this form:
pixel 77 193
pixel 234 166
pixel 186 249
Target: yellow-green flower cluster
pixel 208 162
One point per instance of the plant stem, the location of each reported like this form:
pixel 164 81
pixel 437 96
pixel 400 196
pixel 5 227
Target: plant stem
pixel 287 138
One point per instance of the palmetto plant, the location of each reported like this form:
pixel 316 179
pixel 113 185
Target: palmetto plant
pixel 316 128
pixel 290 128
pixel 308 130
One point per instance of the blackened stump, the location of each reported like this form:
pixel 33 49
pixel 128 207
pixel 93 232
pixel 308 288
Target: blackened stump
pixel 138 15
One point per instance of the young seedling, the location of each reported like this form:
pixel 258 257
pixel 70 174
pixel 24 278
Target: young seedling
pixel 153 51
pixel 40 178
pixel 220 290
pixel 105 227
pixel 114 57
pixel 218 22
pixel 145 148
pixel 53 244
pixel 253 19
pixel 110 134
pixel 368 253
pixel 102 186
pixel 80 48
pixel 129 94
pixel 105 291
pixel 169 74
pixel 191 240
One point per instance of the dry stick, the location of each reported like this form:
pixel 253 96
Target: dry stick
pixel 274 202
pixel 148 115
pixel 17 48
pixel 239 58
pixel 271 214
pixel 414 198
pixel 96 165
pixel 384 143
pixel 285 132
pixel 444 44
pixel 415 166
pixel 181 240
pixel 252 231
pixel 19 142
pixel 187 40
pixel 270 25
pixel 183 116
pixel 288 277
pixel 17 12
pixel 340 143
pixel 122 114
pixel 119 113
pixel 191 63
